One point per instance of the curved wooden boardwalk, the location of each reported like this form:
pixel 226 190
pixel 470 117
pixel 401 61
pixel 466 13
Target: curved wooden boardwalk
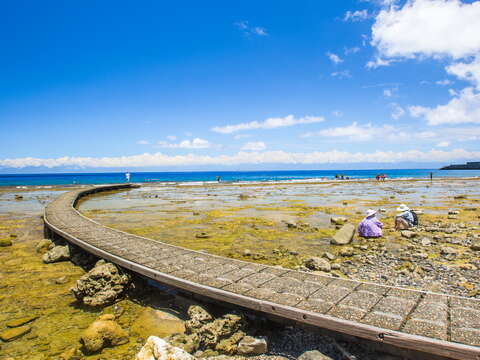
pixel 435 324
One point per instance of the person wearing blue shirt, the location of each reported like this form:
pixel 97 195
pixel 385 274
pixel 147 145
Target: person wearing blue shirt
pixel 404 218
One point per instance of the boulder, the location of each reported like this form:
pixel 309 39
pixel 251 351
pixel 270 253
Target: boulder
pixel 198 317
pixel 103 332
pixel 426 241
pixel 318 264
pixel 102 285
pixel 56 254
pixel 5 242
pixel 338 220
pixel 14 333
pixel 203 331
pixel 229 345
pixel 313 355
pixel 44 245
pixel 158 349
pixel 475 246
pixel 449 253
pixel 348 251
pixel 344 235
pixel 252 346
pixel 408 234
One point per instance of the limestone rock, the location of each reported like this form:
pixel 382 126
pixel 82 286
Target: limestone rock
pixel 316 263
pixel 190 343
pixel 229 345
pixel 338 220
pixel 198 317
pixel 449 253
pixel 252 346
pixel 56 254
pixel 14 333
pixel 102 285
pixel 475 245
pixel 5 242
pixel 313 355
pixel 44 245
pixel 408 234
pixel 344 235
pixel 103 332
pixel 348 251
pixel 158 349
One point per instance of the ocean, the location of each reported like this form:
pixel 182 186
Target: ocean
pixel 225 176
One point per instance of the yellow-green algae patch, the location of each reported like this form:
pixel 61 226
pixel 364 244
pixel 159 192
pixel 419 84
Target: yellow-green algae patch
pixel 30 288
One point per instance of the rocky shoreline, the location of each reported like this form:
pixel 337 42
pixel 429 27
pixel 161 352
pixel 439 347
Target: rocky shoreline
pixel 60 302
pixel 99 311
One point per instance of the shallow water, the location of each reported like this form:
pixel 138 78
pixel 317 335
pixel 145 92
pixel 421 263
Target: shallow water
pixel 256 217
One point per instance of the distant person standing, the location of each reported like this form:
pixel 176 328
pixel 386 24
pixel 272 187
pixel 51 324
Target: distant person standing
pixel 127 177
pixel 431 176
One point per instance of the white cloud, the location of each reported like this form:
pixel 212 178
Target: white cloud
pixel 267 157
pixel 254 146
pixel 270 123
pixel 245 27
pixel 397 111
pixel 358 15
pixel 143 142
pixel 368 132
pixel 352 50
pixel 433 28
pixel 467 71
pixel 337 113
pixel 171 137
pixel 260 31
pixel 242 136
pixel 355 132
pixel 345 74
pixel 461 109
pixel 443 82
pixel 377 62
pixel 437 29
pixel 334 58
pixel 387 93
pixel 443 144
pixel 196 143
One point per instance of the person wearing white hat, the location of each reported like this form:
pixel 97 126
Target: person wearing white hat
pixel 370 226
pixel 404 218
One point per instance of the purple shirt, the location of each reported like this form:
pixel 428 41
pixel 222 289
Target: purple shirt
pixel 370 227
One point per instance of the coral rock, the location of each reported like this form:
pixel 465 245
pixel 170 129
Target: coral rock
pixel 56 254
pixel 102 285
pixel 158 349
pixel 103 332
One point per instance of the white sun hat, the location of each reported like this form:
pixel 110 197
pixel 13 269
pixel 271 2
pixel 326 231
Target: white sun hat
pixel 371 212
pixel 403 208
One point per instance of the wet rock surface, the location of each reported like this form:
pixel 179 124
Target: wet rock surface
pixel 158 349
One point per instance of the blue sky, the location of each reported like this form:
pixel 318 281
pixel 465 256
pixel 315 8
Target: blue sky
pixel 215 84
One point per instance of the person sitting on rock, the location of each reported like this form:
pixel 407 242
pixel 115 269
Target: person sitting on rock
pixel 405 218
pixel 370 226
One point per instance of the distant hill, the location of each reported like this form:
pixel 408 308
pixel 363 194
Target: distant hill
pixel 468 166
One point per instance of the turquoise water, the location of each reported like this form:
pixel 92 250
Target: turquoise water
pixel 228 176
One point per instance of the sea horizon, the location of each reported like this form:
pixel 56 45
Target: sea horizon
pixel 96 178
